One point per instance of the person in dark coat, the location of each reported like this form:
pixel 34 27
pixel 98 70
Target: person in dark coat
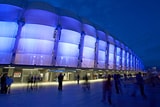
pixel 107 89
pixel 60 80
pixel 78 77
pixel 3 84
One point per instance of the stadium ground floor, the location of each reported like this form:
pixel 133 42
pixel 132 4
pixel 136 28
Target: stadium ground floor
pixel 21 74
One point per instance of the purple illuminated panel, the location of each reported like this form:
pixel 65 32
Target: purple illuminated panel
pixel 6 44
pixel 88 57
pixel 102 45
pixel 37 16
pixel 111 56
pixel 102 54
pixel 8 29
pixel 127 61
pixel 89 41
pixel 35 46
pixel 70 23
pixel 7 41
pixel 131 61
pixel 68 50
pixel 33 59
pixel 101 59
pixel 70 36
pixel 89 30
pixel 118 57
pixel 111 61
pixel 123 60
pixel 88 51
pixel 9 12
pixel 36 31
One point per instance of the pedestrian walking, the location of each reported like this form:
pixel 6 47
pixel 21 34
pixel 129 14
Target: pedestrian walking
pixel 140 84
pixel 78 77
pixel 107 89
pixel 3 84
pixel 9 81
pixel 117 83
pixel 60 80
pixel 86 84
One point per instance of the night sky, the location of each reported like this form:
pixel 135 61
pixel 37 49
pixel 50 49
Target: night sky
pixel 133 22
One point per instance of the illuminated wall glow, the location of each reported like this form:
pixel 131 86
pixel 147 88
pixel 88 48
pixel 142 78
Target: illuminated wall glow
pixel 134 59
pixel 88 56
pixel 102 45
pixel 7 41
pixel 101 59
pixel 70 36
pixel 88 51
pixel 36 31
pixel 102 54
pixel 32 59
pixel 36 45
pixel 127 61
pixel 5 57
pixel 123 60
pixel 89 41
pixel 8 29
pixel 118 57
pixel 6 44
pixel 43 17
pixel 131 61
pixel 70 23
pixel 34 42
pixel 68 50
pixel 111 56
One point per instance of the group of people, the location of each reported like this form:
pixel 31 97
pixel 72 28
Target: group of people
pixel 86 84
pixel 107 86
pixel 33 81
pixel 6 82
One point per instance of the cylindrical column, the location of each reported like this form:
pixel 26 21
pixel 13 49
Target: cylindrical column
pixel 68 44
pixel 9 14
pixel 111 60
pixel 102 45
pixel 36 43
pixel 88 56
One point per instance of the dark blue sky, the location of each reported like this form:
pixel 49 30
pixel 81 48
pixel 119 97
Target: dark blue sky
pixel 134 22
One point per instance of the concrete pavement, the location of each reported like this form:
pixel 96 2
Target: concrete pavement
pixel 74 96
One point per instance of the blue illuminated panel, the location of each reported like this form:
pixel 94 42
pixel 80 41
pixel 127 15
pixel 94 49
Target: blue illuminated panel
pixel 131 61
pixel 68 50
pixel 127 61
pixel 7 41
pixel 102 54
pixel 123 60
pixel 111 56
pixel 8 29
pixel 88 51
pixel 118 57
pixel 35 46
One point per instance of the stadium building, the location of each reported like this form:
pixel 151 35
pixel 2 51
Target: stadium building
pixel 39 39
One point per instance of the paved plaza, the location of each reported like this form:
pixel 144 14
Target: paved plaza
pixel 74 96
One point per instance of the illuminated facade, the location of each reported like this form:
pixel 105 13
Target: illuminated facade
pixel 40 35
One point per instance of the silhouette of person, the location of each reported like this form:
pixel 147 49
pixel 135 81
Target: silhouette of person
pixel 60 80
pixel 107 89
pixel 78 77
pixel 140 84
pixel 3 84
pixel 9 81
pixel 86 84
pixel 117 83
